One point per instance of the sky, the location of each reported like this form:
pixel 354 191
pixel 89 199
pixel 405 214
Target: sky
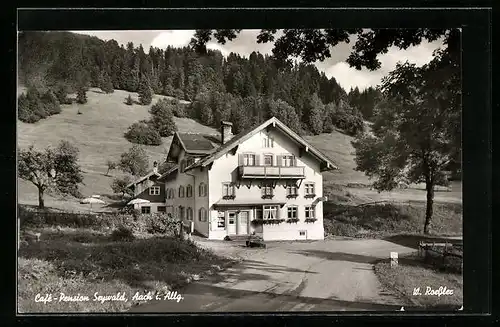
pixel 246 42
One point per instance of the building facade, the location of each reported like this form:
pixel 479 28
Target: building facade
pixel 266 181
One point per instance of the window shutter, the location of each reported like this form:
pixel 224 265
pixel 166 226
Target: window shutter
pixel 257 159
pixel 294 162
pixel 279 160
pixel 240 159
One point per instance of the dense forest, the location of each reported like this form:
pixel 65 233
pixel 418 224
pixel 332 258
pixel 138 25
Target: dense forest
pixel 219 87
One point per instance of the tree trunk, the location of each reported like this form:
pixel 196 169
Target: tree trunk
pixel 41 203
pixel 428 211
pixel 107 173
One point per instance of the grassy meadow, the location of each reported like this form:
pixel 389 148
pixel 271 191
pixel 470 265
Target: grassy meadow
pixel 98 134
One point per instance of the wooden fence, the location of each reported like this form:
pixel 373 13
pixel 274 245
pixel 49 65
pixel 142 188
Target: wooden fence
pixel 442 254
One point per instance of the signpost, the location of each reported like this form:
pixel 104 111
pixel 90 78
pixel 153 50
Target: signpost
pixel 394 259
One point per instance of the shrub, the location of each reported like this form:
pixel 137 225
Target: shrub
pixel 159 223
pixel 122 233
pixel 163 118
pixel 129 100
pixel 143 133
pixel 179 94
pixel 81 95
pixel 352 124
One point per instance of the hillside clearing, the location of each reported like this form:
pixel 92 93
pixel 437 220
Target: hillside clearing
pixel 98 134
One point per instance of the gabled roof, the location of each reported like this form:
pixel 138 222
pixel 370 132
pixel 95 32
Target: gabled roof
pixel 152 173
pixel 245 135
pixel 196 144
pixel 168 172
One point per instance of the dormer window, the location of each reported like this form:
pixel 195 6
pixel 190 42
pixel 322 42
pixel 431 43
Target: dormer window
pixel 154 190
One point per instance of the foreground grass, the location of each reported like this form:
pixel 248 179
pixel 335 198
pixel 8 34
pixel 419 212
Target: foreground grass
pixel 412 273
pixel 83 262
pixel 385 219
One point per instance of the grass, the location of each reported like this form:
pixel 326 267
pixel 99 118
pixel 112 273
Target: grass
pixel 98 134
pixel 384 219
pixel 85 261
pixel 411 273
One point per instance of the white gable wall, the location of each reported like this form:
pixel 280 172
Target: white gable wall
pixel 225 169
pixel 195 202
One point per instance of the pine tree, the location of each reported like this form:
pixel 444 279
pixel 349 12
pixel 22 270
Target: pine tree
pixel 81 95
pixel 106 84
pixel 145 92
pixel 129 100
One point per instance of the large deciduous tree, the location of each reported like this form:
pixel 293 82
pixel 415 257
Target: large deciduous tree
pixel 134 161
pixel 51 169
pixel 414 134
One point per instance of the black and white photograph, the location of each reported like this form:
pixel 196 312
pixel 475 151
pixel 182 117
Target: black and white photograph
pixel 239 170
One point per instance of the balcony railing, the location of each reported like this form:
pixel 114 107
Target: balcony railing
pixel 271 172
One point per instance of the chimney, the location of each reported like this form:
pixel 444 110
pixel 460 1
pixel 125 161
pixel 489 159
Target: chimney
pixel 155 167
pixel 226 131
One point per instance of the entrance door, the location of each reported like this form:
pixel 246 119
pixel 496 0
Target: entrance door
pixel 231 223
pixel 243 223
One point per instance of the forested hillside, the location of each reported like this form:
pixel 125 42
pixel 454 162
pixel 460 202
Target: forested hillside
pixel 219 88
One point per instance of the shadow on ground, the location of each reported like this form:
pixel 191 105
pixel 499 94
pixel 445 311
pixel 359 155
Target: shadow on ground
pixel 338 256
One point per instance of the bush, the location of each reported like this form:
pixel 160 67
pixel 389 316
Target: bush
pixel 129 100
pixel 143 133
pixel 179 94
pixel 81 95
pixel 161 223
pixel 122 233
pixel 34 106
pixel 163 118
pixel 352 124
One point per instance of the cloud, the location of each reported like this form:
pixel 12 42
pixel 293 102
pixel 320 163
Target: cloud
pixel 349 77
pixel 176 38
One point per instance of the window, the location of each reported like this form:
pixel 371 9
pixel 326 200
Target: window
pixel 258 213
pixel 268 160
pixel 189 191
pixel 170 193
pixel 288 160
pixel 309 188
pixel 189 213
pixel 267 190
pixel 182 213
pixel 181 191
pixel 292 212
pixel 228 190
pixel 162 209
pixel 202 215
pixel 302 233
pixel 267 142
pixel 203 189
pixel 291 190
pixel 270 212
pixel 145 209
pixel 154 190
pixel 249 159
pixel 221 219
pixel 309 212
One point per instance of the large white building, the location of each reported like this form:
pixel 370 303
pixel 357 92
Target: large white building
pixel 266 181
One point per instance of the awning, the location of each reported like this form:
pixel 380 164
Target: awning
pixel 247 203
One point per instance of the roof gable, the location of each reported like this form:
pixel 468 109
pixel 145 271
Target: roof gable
pixel 242 137
pixel 196 144
pixel 139 180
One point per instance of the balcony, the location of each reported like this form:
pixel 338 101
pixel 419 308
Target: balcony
pixel 272 172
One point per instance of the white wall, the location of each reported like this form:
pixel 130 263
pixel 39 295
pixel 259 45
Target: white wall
pixel 225 169
pixel 195 202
